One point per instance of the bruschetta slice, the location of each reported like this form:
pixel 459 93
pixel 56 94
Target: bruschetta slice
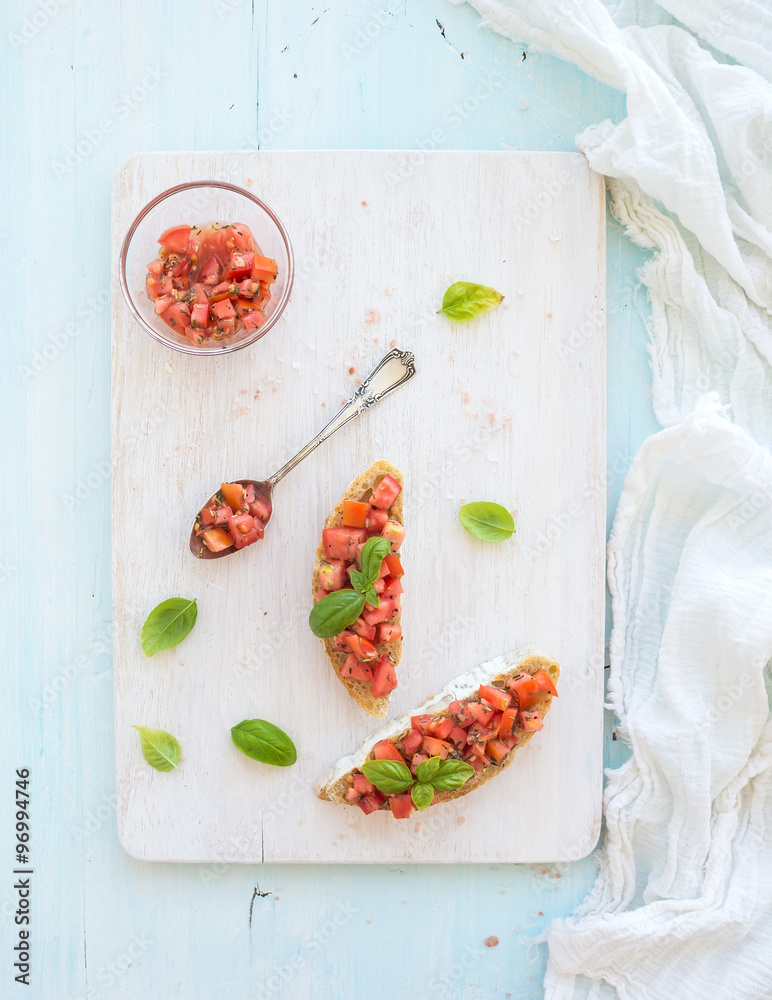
pixel 365 652
pixel 454 742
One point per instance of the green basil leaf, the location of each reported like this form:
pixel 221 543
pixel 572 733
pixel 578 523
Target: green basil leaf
pixel 265 742
pixel 465 300
pixel 160 749
pixel 389 776
pixel 335 612
pixel 371 597
pixel 168 624
pixel 374 551
pixel 428 770
pixel 451 774
pixel 422 795
pixel 359 581
pixel 489 521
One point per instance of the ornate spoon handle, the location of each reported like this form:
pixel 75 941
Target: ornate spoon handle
pixel 392 371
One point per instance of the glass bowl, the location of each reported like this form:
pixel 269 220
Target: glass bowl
pixel 202 203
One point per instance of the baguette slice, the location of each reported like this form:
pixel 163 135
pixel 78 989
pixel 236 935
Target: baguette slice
pixel 527 659
pixel 360 489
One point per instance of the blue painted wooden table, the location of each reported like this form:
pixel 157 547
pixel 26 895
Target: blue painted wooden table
pixel 85 84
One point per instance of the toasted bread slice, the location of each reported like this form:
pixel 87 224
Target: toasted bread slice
pixel 527 659
pixel 361 489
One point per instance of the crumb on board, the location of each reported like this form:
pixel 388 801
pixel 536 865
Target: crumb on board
pixel 372 316
pixel 352 370
pixel 491 941
pixel 366 204
pixel 249 182
pixel 461 820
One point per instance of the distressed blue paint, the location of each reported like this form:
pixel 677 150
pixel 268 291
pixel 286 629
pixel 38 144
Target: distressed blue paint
pixel 352 74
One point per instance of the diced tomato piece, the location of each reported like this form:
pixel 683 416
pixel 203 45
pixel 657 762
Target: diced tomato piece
pixel 394 532
pixel 156 266
pixel 477 762
pixel 456 709
pixel 412 741
pixel 481 713
pixel 153 285
pixel 495 696
pixel 247 288
pixel 371 803
pixel 441 728
pixel 507 724
pixel 355 670
pixel 417 759
pixel 211 271
pixel 224 309
pixel 530 722
pixel 340 543
pixel 387 632
pixel 388 607
pixel 251 320
pixel 392 587
pixel 376 521
pixel 182 268
pixel 378 586
pixel 162 303
pixel 457 737
pixel 177 316
pixel 362 785
pixel 355 514
pixel 351 794
pixel 525 690
pixel 385 493
pixel 362 628
pixel 467 718
pixel 401 805
pixel 544 681
pixel 263 296
pixel 332 574
pixel 216 539
pixel 245 530
pixel 339 642
pixel 420 722
pixel 363 649
pixel 435 747
pixel 261 508
pixel 193 248
pixel 199 316
pixel 509 741
pixel 244 307
pixel 320 593
pixel 393 565
pixel 264 269
pixel 478 750
pixel 496 750
pixel 211 516
pixel 240 235
pixel 479 734
pixel 385 750
pixel 233 494
pixel 175 240
pixel 384 677
pixel 240 265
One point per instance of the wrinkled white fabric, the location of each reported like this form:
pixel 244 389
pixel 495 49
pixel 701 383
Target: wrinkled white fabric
pixel 682 908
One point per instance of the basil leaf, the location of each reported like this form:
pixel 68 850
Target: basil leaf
pixel 422 795
pixel 371 597
pixel 452 774
pixel 160 749
pixel 428 770
pixel 374 551
pixel 465 300
pixel 359 581
pixel 389 776
pixel 489 521
pixel 335 612
pixel 265 742
pixel 168 624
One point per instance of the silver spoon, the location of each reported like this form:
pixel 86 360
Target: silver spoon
pixel 392 371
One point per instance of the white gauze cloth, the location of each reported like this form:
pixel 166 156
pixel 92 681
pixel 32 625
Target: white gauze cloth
pixel 682 908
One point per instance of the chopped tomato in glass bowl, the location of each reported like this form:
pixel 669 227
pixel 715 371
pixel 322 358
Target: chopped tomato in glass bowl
pixel 190 263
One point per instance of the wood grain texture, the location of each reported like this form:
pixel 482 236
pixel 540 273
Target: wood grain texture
pixel 504 408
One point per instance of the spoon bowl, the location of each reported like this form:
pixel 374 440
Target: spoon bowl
pixel 392 371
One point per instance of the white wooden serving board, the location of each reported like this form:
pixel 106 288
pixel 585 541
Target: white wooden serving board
pixel 509 408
